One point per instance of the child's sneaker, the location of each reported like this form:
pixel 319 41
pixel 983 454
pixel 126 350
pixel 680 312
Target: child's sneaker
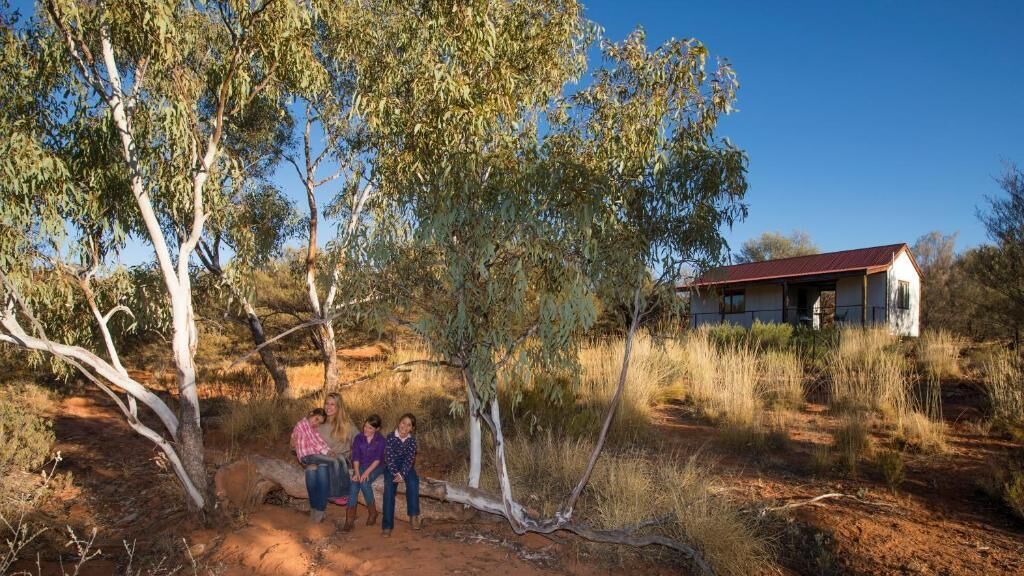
pixel 343 501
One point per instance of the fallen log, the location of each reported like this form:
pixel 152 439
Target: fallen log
pixel 247 482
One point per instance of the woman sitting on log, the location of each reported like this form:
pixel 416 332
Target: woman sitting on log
pixel 338 432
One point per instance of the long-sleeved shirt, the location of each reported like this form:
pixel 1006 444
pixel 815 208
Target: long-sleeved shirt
pixel 307 441
pixel 366 451
pixel 399 455
pixel 339 446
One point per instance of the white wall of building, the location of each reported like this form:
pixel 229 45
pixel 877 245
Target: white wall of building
pixel 904 322
pixel 762 303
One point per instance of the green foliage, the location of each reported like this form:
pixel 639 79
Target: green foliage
pixel 727 335
pixel 771 335
pixel 773 246
pixel 26 435
pixel 890 463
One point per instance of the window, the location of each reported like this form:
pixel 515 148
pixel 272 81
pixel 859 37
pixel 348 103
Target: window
pixel 733 302
pixel 903 295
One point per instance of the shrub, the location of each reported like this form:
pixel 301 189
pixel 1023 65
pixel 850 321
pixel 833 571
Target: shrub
pixel 725 335
pixel 938 353
pixel 723 383
pixel 851 439
pixel 26 435
pixel 890 463
pixel 821 459
pixel 1013 493
pixel 770 335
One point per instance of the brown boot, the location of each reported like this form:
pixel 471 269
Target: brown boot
pixel 417 523
pixel 371 519
pixel 350 520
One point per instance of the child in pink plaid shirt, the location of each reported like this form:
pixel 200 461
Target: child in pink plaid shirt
pixel 306 439
pixel 311 450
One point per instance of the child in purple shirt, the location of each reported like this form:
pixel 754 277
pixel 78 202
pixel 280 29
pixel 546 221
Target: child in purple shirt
pixel 367 465
pixel 400 466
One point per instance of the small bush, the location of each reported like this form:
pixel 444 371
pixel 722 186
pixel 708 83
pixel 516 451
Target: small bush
pixel 890 463
pixel 770 335
pixel 26 435
pixel 923 433
pixel 628 488
pixel 1005 483
pixel 1013 494
pixel 726 335
pixel 852 440
pixel 782 377
pixel 821 459
pixel 869 371
pixel 723 383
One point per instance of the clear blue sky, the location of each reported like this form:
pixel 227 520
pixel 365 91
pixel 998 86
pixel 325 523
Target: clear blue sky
pixel 867 122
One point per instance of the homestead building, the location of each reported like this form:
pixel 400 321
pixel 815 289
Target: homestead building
pixel 867 286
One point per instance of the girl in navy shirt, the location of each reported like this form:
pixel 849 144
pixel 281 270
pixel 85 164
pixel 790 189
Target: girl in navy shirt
pixel 399 466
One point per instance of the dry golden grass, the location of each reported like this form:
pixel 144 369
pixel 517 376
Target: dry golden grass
pixel 782 378
pixel 1003 374
pixel 938 353
pixel 723 382
pixel 631 487
pixel 851 439
pixel 868 371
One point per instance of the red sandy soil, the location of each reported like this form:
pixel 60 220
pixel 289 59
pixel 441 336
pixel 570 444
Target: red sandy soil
pixel 936 523
pixel 128 496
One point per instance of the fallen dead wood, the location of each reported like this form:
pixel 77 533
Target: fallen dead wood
pixel 247 482
pixel 817 499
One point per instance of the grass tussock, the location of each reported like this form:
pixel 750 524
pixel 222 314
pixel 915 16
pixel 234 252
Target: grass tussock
pixel 852 439
pixel 868 371
pixel 938 353
pixel 630 488
pixel 782 378
pixel 266 418
pixel 723 382
pixel 1003 376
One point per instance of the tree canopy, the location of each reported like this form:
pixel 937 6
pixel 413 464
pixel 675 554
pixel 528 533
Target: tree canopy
pixel 774 245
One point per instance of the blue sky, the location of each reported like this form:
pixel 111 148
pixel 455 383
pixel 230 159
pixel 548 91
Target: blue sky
pixel 867 122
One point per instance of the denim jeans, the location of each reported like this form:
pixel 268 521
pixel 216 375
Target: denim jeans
pixel 412 498
pixel 337 473
pixel 317 481
pixel 365 487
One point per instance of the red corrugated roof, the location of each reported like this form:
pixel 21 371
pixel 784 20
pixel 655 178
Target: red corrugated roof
pixel 866 259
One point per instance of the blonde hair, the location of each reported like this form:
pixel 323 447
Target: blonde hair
pixel 341 426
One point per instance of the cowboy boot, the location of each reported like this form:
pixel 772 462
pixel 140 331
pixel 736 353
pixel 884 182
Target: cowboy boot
pixel 371 518
pixel 350 520
pixel 417 523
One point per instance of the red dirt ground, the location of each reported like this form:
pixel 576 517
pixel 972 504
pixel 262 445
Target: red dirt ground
pixel 937 523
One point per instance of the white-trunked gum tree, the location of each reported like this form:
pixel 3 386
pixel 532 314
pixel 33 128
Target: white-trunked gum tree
pixel 114 124
pixel 525 202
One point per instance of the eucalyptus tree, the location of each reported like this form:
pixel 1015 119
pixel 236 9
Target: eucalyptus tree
pixel 334 164
pixel 256 223
pixel 122 113
pixel 524 203
pixel 452 95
